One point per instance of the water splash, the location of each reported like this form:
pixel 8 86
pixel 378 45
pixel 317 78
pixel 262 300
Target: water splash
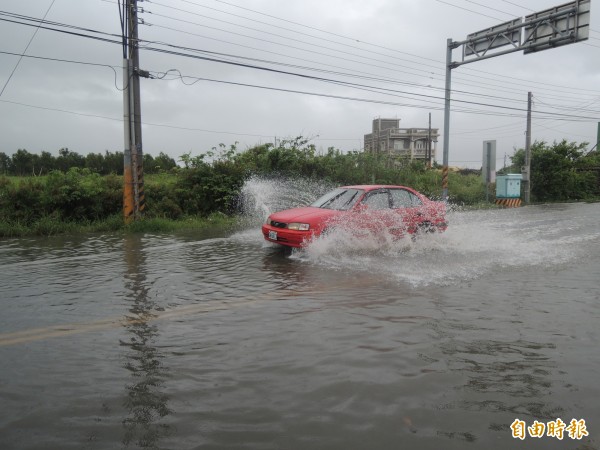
pixel 476 244
pixel 262 196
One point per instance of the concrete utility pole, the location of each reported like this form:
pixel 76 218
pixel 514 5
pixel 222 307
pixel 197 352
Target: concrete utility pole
pixel 133 157
pixel 526 170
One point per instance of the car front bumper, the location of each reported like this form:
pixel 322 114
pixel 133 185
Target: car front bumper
pixel 283 236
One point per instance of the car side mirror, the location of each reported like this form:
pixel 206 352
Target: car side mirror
pixel 361 208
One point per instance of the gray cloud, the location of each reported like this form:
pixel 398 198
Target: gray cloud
pixel 397 40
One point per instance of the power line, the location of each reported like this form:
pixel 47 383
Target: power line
pixel 312 52
pixel 354 85
pixel 108 34
pixel 467 9
pixel 561 115
pixel 222 61
pixel 490 8
pixel 98 38
pixel 120 119
pixel 479 130
pixel 517 5
pixel 344 37
pixel 329 55
pixel 338 82
pixel 25 51
pixel 385 80
pixel 83 63
pixel 273 34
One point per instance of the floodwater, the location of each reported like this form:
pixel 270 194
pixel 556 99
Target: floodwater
pixel 221 341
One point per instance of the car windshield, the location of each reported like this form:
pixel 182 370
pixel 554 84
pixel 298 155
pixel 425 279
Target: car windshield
pixel 340 199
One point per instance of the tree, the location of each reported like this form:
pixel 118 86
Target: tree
pixel 164 162
pixel 95 162
pixel 68 159
pixel 22 163
pixel 5 164
pixel 149 163
pixel 554 174
pixel 46 162
pixel 113 162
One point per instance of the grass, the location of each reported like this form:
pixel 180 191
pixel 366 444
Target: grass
pixel 50 226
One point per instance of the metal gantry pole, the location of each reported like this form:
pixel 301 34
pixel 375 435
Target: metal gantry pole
pixel 575 14
pixel 449 47
pixel 526 171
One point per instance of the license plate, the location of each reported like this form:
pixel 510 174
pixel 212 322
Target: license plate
pixel 273 235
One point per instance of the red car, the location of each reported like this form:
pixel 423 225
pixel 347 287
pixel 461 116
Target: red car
pixel 397 210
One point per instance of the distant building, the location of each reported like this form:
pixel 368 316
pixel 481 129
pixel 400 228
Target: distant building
pixel 388 138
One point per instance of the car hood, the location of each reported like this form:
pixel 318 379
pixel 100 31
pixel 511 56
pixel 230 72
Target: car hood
pixel 307 214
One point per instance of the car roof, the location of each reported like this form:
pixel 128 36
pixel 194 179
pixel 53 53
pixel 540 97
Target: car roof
pixel 371 187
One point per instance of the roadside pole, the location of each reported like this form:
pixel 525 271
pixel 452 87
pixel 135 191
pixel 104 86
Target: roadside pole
pixel 449 47
pixel 133 157
pixel 526 170
pixel 128 197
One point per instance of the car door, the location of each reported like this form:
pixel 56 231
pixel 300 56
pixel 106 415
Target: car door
pixel 376 212
pixel 409 207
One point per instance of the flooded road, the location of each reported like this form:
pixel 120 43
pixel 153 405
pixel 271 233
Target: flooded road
pixel 216 341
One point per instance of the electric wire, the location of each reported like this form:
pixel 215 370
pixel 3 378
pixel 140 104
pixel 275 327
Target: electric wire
pixel 277 43
pixel 517 5
pixel 95 31
pixel 277 35
pixel 120 119
pixel 335 81
pixel 490 8
pixel 246 65
pixel 319 79
pixel 467 9
pixel 83 63
pixel 357 40
pixel 25 51
pixel 545 113
pixel 470 93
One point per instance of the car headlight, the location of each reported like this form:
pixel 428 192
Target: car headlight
pixel 268 221
pixel 298 226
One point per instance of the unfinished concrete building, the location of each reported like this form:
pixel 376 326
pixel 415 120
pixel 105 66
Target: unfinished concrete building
pixel 411 143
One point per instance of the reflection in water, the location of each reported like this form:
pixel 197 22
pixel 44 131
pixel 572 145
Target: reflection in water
pixel 421 350
pixel 146 403
pixel 514 377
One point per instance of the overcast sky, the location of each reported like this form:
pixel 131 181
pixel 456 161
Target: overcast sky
pixel 393 50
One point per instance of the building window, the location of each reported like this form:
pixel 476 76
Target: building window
pixel 401 144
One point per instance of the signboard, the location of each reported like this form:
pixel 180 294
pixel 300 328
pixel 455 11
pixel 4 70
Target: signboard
pixel 552 27
pixel 564 24
pixel 498 36
pixel 488 167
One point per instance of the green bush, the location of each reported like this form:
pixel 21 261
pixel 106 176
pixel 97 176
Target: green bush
pixel 466 189
pixel 210 183
pixel 204 188
pixel 561 171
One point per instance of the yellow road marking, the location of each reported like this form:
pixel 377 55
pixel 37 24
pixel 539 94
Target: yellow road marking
pixel 67 329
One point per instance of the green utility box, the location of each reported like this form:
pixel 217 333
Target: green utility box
pixel 509 185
